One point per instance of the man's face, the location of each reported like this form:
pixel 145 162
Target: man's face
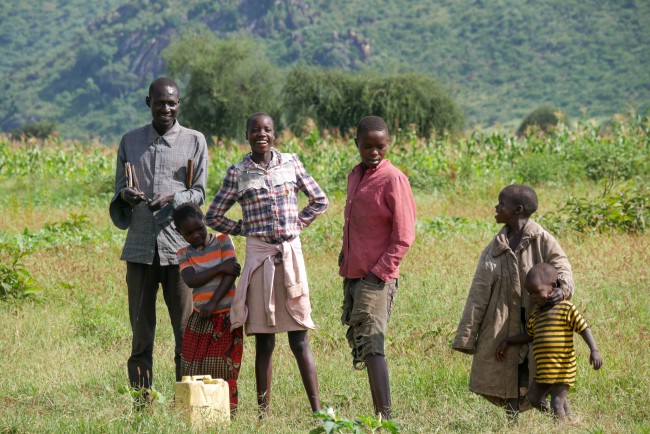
pixel 164 103
pixel 372 147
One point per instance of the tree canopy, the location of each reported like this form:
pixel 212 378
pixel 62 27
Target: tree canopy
pixel 225 81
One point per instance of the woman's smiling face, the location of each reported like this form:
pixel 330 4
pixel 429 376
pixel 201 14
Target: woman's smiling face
pixel 261 134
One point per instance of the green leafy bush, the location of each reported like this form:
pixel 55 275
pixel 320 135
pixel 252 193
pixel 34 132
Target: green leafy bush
pixel 333 423
pixel 73 231
pixel 16 282
pixel 37 130
pixel 544 118
pixel 534 169
pixel 622 154
pixel 227 80
pixel 623 208
pixel 335 99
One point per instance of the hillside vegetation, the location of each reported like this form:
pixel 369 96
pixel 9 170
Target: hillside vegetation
pixel 86 65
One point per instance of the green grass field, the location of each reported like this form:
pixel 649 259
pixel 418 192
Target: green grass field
pixel 65 355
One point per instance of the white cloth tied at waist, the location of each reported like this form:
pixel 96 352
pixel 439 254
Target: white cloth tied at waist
pixel 259 253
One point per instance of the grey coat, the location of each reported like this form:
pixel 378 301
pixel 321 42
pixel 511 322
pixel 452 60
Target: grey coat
pixel 493 308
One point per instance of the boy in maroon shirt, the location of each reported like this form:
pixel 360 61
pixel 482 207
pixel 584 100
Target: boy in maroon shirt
pixel 379 229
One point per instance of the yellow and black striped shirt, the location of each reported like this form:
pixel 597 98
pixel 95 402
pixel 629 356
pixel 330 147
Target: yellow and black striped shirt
pixel 552 330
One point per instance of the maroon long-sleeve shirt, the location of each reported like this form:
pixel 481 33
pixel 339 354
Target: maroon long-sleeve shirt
pixel 379 222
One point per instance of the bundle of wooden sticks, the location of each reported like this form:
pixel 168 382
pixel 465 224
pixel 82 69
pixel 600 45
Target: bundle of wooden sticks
pixel 132 179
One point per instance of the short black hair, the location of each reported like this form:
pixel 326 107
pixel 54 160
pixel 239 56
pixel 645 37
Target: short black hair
pixel 523 195
pixel 254 115
pixel 185 211
pixel 162 81
pixel 542 272
pixel 370 123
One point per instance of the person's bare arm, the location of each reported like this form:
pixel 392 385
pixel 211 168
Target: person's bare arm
pixel 519 339
pixel 226 283
pixel 595 358
pixel 195 279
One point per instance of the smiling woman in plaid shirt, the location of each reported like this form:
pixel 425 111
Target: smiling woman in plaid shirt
pixel 272 295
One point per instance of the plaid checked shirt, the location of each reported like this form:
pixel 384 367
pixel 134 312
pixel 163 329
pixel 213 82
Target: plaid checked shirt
pixel 268 198
pixel 160 164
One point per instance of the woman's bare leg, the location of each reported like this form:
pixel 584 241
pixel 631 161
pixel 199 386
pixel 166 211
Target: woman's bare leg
pixel 264 346
pixel 299 344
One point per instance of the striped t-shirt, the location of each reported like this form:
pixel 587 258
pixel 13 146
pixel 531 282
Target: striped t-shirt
pixel 219 249
pixel 552 330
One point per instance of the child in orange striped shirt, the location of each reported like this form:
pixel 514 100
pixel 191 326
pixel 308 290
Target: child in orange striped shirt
pixel 209 266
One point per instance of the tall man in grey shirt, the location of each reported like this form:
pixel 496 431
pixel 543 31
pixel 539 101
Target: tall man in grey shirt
pixel 158 155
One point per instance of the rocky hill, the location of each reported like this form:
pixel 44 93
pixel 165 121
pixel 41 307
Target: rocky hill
pixel 86 65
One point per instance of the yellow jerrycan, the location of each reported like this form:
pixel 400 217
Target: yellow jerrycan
pixel 204 401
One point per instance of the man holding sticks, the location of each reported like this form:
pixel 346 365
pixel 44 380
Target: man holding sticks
pixel 159 167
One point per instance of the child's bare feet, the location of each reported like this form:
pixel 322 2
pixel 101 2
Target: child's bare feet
pixel 525 405
pixel 570 419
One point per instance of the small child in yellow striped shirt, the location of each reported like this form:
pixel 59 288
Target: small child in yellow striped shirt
pixel 551 328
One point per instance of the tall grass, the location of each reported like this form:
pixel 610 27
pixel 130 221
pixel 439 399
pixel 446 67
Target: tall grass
pixel 66 353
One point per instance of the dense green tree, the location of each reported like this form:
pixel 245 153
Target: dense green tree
pixel 226 80
pixel 328 97
pixel 406 99
pixel 335 99
pixel 38 130
pixel 543 118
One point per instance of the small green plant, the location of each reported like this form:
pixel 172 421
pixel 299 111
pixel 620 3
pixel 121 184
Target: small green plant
pixel 332 423
pixel 16 282
pixel 74 230
pixel 142 396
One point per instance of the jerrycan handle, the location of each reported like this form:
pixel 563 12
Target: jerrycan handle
pixel 196 377
pixel 201 377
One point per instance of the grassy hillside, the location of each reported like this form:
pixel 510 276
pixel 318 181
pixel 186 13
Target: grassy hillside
pixel 86 65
